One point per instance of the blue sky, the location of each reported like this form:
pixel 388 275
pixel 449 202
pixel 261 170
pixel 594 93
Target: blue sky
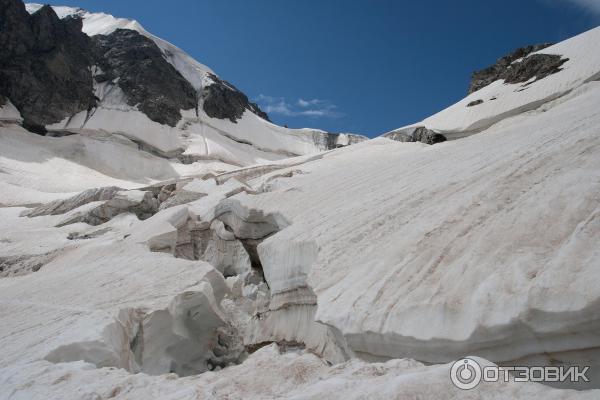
pixel 352 66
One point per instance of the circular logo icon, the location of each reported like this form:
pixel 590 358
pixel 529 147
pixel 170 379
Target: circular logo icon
pixel 465 373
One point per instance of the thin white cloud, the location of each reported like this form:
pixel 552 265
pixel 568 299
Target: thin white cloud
pixel 309 103
pixel 316 108
pixel 592 6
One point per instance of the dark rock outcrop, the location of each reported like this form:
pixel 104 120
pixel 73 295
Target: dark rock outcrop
pixel 45 68
pixel 475 103
pixel 46 72
pixel 224 101
pixel 424 135
pixel 536 65
pixel 44 64
pixel 416 134
pixel 144 75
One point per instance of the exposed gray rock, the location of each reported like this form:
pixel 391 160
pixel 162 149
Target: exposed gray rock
pixel 62 206
pixel 428 136
pixel 475 103
pixel 416 134
pixel 536 66
pixel 540 65
pixel 144 75
pixel 222 100
pixel 44 64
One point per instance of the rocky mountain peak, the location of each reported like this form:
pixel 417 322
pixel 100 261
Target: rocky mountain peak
pixel 144 75
pixel 45 70
pixel 44 64
pixel 224 101
pixel 512 70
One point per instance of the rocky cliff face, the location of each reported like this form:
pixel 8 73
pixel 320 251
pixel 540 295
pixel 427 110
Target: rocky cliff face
pixel 46 68
pixel 137 65
pixel 511 70
pixel 44 64
pixel 224 101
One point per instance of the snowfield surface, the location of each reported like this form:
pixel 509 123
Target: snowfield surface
pixel 468 251
pixel 361 272
pixel 485 245
pixel 9 113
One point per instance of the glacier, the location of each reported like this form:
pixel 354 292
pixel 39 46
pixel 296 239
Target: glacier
pixel 243 260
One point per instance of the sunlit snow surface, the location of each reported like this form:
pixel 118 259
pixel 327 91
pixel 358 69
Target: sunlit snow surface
pixel 484 246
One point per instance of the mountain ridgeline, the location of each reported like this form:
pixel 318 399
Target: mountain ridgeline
pixel 49 68
pixel 518 67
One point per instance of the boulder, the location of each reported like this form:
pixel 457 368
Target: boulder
pixel 416 134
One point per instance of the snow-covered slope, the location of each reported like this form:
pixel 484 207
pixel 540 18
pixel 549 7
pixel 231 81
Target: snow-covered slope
pixel 501 100
pixel 360 272
pixel 466 252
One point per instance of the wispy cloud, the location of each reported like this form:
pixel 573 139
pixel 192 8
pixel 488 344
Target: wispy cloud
pixel 591 6
pixel 316 108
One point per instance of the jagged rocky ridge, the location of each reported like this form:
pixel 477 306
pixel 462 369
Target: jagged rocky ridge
pixel 44 64
pixel 169 105
pixel 137 65
pixel 224 101
pixel 46 71
pixel 518 66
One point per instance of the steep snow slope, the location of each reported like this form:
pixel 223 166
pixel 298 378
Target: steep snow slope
pixel 485 245
pixel 502 100
pixel 36 169
pixel 466 252
pixel 249 140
